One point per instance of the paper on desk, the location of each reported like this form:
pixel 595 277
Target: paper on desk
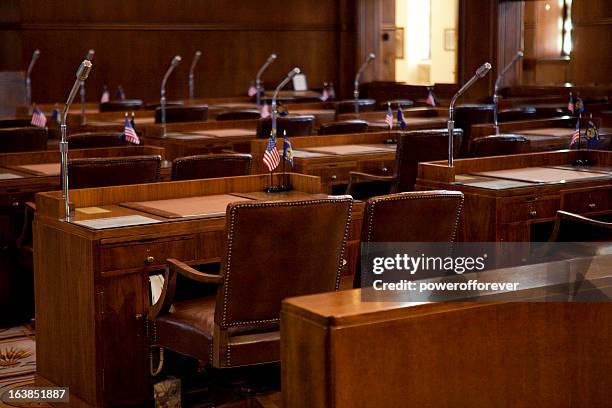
pixel 9 176
pixel 92 210
pixel 114 222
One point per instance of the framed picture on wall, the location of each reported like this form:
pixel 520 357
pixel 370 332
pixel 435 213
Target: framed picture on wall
pixel 399 42
pixel 449 39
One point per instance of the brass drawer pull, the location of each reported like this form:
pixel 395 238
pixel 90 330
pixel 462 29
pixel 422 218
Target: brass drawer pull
pixel 15 204
pixel 533 213
pixel 333 177
pixel 592 206
pixel 384 169
pixel 149 260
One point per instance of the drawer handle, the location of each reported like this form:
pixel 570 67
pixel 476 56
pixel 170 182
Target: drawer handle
pixel 333 177
pixel 592 206
pixel 384 169
pixel 149 260
pixel 15 204
pixel 533 213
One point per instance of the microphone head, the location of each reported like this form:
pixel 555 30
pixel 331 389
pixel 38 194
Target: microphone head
pixel 371 56
pixel 520 54
pixel 90 54
pixel 293 72
pixel 483 70
pixel 35 54
pixel 84 69
pixel 176 60
pixel 198 54
pixel 272 57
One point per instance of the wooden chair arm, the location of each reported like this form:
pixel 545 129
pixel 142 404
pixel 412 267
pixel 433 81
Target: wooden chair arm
pixel 356 176
pixel 189 272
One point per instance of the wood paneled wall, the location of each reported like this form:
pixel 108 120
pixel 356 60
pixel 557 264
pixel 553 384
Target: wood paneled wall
pixel 135 41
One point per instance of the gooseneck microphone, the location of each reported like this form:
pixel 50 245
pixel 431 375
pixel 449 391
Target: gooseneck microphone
pixel 81 75
pixel 280 86
pixel 258 86
pixel 196 58
pixel 88 57
pixel 28 82
pixel 480 73
pixel 517 57
pixel 162 101
pixel 370 58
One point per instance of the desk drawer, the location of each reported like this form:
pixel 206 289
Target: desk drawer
pixel 586 201
pixel 377 167
pixel 334 173
pixel 146 254
pixel 529 208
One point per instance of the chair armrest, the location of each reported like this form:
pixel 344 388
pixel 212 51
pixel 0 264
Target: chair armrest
pixel 189 272
pixel 355 177
pixel 564 215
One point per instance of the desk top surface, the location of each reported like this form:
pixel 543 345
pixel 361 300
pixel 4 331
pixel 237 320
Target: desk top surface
pixel 544 174
pixel 348 149
pixel 40 169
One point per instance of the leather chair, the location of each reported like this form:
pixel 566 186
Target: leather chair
pixel 499 145
pixel 571 227
pixel 418 216
pixel 239 115
pixel 239 325
pixel 113 171
pixel 403 103
pixel 23 139
pixel 355 106
pixel 95 139
pixel 211 166
pixel 121 105
pixel 295 125
pixel 16 122
pixel 344 127
pixel 191 113
pixel 471 114
pixel 413 147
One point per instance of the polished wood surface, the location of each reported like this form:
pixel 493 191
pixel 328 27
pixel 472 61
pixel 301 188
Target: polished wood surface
pixel 103 294
pixel 339 351
pixel 499 207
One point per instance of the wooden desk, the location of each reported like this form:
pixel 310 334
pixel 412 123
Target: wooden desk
pixel 515 198
pixel 332 157
pixel 338 351
pixel 92 284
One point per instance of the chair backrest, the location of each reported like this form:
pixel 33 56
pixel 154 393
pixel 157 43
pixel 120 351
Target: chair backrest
pixel 95 139
pixel 276 250
pixel 211 166
pixel 239 115
pixel 15 122
pixel 344 127
pixel 403 103
pixel 191 113
pixel 295 125
pixel 121 105
pixel 355 105
pixel 418 146
pixel 498 145
pixel 514 114
pixel 468 115
pixel 417 216
pixel 113 171
pixel 23 139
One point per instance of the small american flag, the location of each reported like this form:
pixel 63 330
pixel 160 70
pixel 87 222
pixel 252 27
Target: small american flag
pixel 576 134
pixel 105 96
pixel 570 104
pixel 265 110
pixel 252 90
pixel 324 95
pixel 38 118
pixel 389 116
pixel 271 158
pixel 129 133
pixel 431 98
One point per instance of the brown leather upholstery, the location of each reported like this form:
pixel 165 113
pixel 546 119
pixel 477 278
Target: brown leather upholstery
pixel 404 103
pixel 344 127
pixel 113 171
pixel 121 105
pixel 23 139
pixel 498 145
pixel 355 106
pixel 471 114
pixel 295 125
pixel 570 227
pixel 211 166
pixel 239 115
pixel 95 139
pixel 418 216
pixel 192 113
pixel 16 122
pixel 240 326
